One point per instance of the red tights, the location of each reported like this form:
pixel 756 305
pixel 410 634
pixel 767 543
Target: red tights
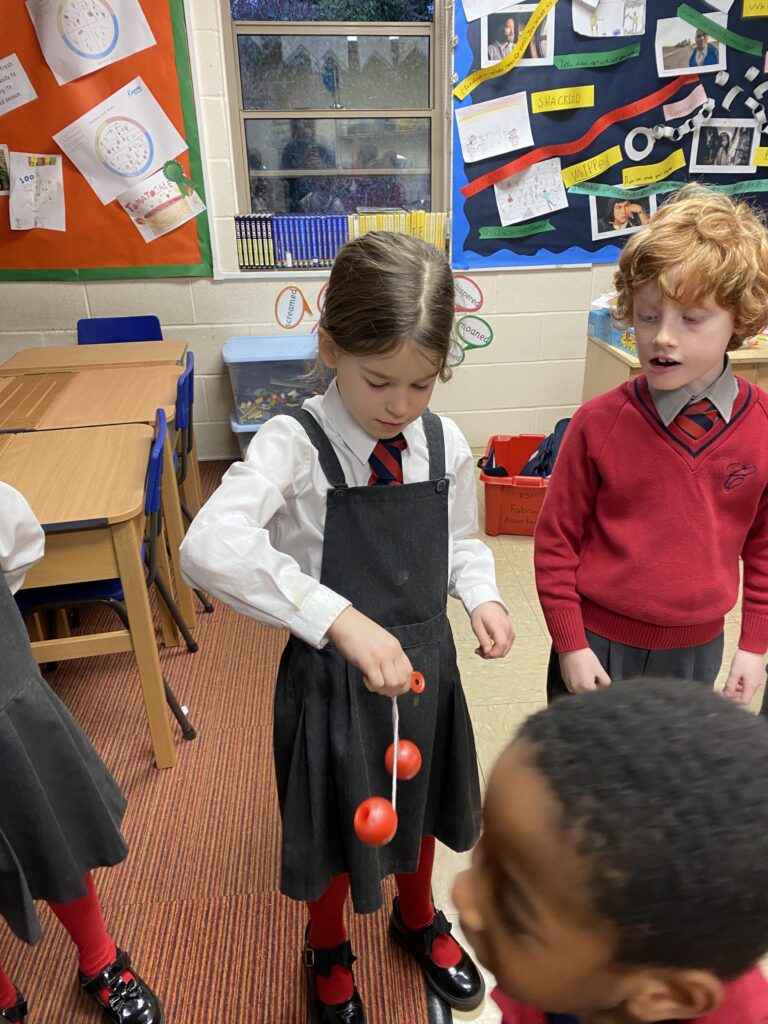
pixel 417 910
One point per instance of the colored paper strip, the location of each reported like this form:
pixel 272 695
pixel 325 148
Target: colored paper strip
pixel 603 59
pixel 645 174
pixel 592 167
pixel 594 188
pixel 683 107
pixel 755 9
pixel 562 99
pixel 724 35
pixel 760 158
pixel 463 89
pixel 640 106
pixel 536 227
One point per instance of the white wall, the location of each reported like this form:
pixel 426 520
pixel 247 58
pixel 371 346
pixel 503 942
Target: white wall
pixel 529 377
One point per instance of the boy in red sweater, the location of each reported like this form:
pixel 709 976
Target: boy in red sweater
pixel 622 874
pixel 661 484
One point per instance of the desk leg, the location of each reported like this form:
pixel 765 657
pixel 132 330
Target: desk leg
pixel 174 527
pixel 126 539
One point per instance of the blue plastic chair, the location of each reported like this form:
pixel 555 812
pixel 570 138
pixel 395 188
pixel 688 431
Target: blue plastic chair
pixel 110 592
pixel 101 330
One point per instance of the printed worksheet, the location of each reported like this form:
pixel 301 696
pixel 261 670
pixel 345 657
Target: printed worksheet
pixel 122 141
pixel 15 86
pixel 81 36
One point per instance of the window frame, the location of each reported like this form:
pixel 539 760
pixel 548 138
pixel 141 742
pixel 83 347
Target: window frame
pixel 437 112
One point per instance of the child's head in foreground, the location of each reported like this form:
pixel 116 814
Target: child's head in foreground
pixel 624 860
pixel 694 284
pixel 386 328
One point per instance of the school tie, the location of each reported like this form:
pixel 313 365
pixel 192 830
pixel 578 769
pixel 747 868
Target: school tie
pixel 698 418
pixel 386 462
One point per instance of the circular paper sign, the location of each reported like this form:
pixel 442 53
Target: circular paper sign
pixel 455 354
pixel 290 307
pixel 468 297
pixel 474 332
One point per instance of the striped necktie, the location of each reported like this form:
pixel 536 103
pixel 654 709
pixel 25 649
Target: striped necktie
pixel 386 462
pixel 698 418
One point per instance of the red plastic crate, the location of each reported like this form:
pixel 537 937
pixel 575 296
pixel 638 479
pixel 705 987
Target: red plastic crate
pixel 512 503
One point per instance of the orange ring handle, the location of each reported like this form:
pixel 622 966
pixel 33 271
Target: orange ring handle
pixel 418 684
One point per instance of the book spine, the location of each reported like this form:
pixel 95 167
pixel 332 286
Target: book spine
pixel 270 246
pixel 251 242
pixel 239 241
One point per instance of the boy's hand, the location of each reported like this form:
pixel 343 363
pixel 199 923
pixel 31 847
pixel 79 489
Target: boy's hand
pixel 582 671
pixel 378 655
pixel 491 625
pixel 746 673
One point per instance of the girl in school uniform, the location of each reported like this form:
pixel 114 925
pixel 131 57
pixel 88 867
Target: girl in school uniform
pixel 60 810
pixel 311 533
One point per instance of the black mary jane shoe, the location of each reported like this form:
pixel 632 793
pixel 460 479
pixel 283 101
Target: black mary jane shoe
pixel 16 1013
pixel 462 985
pixel 321 961
pixel 129 1002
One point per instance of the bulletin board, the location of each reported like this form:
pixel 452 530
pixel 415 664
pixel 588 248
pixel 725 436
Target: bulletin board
pixel 100 241
pixel 538 173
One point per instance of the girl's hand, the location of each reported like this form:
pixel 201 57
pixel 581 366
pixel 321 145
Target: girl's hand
pixel 491 625
pixel 746 674
pixel 381 659
pixel 582 671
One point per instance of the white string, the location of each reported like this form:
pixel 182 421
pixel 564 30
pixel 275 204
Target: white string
pixel 396 733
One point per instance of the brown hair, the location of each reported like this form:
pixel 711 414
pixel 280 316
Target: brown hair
pixel 701 243
pixel 387 289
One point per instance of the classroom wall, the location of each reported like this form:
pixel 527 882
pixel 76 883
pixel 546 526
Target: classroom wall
pixel 528 378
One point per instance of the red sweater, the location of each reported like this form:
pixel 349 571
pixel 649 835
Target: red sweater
pixel 745 1002
pixel 642 527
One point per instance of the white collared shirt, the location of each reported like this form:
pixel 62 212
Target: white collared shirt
pixel 257 543
pixel 721 392
pixel 22 541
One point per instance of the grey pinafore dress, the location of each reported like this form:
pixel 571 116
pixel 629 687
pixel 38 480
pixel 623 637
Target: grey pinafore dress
pixel 60 809
pixel 386 550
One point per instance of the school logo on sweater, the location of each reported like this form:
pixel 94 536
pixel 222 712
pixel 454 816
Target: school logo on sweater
pixel 735 475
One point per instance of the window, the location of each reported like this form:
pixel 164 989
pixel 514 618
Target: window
pixel 338 117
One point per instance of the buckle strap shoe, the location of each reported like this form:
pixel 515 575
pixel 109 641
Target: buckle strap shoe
pixel 322 961
pixel 462 985
pixel 129 1002
pixel 16 1013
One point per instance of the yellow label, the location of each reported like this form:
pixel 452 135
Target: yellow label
pixel 646 174
pixel 591 168
pixel 755 9
pixel 562 99
pixel 760 158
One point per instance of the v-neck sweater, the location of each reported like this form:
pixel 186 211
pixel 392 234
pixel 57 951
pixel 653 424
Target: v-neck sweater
pixel 642 527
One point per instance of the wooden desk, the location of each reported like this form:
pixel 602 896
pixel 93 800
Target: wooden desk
pixel 606 367
pixel 86 487
pixel 81 357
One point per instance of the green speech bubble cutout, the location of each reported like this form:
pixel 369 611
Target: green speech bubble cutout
pixel 472 337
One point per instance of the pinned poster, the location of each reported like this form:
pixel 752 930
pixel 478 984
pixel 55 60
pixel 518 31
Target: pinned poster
pixel 37 192
pixel 681 47
pixel 467 294
pixel 5 181
pixel 290 307
pixel 81 36
pixel 608 18
pixel 532 193
pixel 15 86
pixel 157 206
pixel 494 127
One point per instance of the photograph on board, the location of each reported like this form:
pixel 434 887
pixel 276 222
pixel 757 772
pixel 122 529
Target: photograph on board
pixel 499 33
pixel 5 178
pixel 723 146
pixel 680 47
pixel 611 216
pixel 609 18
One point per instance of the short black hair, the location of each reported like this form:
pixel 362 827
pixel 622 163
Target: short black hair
pixel 663 786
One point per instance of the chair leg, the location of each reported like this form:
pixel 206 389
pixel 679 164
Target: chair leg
pixel 207 606
pixel 187 729
pixel 171 604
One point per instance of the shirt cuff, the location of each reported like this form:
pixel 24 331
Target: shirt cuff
pixel 479 595
pixel 316 615
pixel 754 633
pixel 567 631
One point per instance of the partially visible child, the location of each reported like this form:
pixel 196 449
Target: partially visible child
pixel 661 485
pixel 622 875
pixel 60 809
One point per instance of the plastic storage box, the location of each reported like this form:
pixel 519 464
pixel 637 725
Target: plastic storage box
pixel 512 503
pixel 267 375
pixel 601 326
pixel 243 432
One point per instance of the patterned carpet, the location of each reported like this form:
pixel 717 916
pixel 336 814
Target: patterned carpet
pixel 196 901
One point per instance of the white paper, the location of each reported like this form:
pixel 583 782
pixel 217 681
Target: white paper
pixel 122 141
pixel 676 48
pixel 5 181
pixel 721 5
pixel 15 87
pixel 609 18
pixel 37 191
pixel 500 31
pixel 81 36
pixel 474 9
pixel 494 127
pixel 156 206
pixel 725 146
pixel 535 192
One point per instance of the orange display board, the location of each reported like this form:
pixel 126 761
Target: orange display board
pixel 101 241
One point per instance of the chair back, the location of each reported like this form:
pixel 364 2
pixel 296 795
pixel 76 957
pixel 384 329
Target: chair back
pixel 155 468
pixel 100 330
pixel 184 394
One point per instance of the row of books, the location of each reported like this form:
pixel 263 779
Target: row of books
pixel 272 241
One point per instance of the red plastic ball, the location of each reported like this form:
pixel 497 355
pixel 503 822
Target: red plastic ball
pixel 408 759
pixel 417 683
pixel 375 821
